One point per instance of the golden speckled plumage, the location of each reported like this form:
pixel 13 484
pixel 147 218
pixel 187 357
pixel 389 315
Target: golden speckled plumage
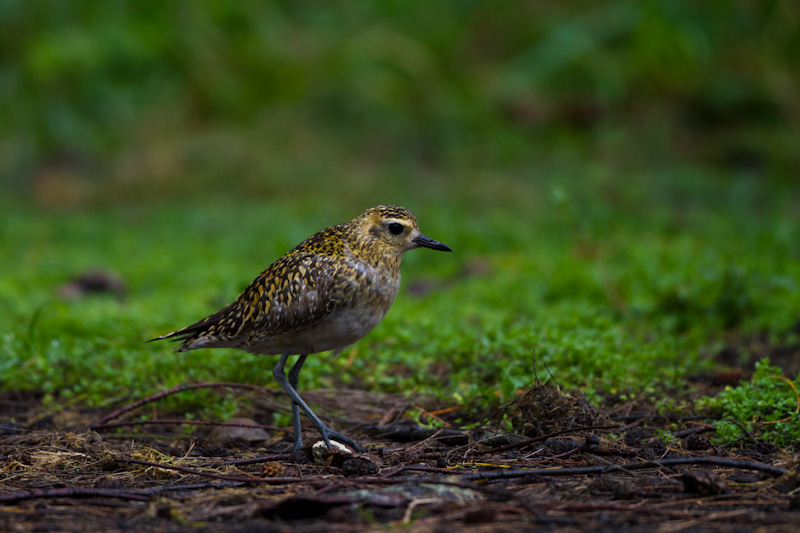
pixel 324 294
pixel 350 270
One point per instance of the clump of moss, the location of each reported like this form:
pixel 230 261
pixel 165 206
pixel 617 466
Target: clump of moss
pixel 767 406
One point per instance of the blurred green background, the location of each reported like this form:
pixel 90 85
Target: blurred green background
pixel 618 181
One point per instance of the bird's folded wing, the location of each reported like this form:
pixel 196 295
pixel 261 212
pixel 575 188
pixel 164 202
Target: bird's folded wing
pixel 293 293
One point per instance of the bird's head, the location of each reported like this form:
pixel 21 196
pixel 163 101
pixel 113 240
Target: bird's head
pixel 391 230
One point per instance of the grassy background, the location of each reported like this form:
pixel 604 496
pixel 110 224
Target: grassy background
pixel 618 183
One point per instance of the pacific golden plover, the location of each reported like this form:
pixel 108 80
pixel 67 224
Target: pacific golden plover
pixel 324 294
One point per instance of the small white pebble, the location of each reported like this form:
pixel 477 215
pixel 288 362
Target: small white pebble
pixel 319 450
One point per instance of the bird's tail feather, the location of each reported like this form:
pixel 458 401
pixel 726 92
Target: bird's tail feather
pixel 194 331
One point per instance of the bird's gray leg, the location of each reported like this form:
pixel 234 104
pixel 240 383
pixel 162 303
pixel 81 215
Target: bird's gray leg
pixel 294 378
pixel 280 376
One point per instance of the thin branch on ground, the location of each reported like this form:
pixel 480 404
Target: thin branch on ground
pixel 74 492
pixel 178 422
pixel 255 460
pixel 540 438
pixel 224 477
pixel 586 470
pixel 174 390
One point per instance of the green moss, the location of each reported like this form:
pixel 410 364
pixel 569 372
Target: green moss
pixel 636 309
pixel 617 182
pixel 766 406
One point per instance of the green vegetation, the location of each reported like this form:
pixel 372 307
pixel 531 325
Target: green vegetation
pixel 139 95
pixel 617 182
pixel 634 307
pixel 767 406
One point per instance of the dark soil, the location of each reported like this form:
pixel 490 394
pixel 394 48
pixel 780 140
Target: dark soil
pixel 566 465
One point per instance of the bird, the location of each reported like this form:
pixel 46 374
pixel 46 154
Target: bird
pixel 324 294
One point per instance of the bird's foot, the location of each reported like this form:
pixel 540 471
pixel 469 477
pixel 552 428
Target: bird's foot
pixel 329 434
pixel 335 435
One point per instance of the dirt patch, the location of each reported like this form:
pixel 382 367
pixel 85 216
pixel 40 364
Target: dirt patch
pixel 742 354
pixel 548 459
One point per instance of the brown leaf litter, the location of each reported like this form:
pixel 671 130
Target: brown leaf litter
pixel 547 459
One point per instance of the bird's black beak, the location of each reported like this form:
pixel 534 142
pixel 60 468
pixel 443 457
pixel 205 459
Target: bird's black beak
pixel 427 242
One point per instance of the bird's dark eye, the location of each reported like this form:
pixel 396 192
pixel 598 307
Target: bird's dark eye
pixel 395 228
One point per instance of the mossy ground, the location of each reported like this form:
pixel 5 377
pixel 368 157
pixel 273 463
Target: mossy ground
pixel 617 182
pixel 596 283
